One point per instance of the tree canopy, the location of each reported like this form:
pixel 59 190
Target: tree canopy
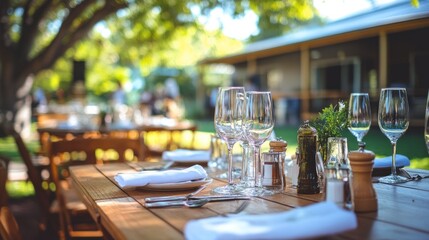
pixel 36 34
pixel 147 34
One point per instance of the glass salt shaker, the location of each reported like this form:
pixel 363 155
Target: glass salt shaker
pixel 337 186
pixel 273 174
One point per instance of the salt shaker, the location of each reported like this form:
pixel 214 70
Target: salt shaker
pixel 337 186
pixel 292 169
pixel 273 177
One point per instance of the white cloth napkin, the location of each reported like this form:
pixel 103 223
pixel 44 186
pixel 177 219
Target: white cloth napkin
pixel 401 161
pixel 316 220
pixel 184 155
pixel 169 176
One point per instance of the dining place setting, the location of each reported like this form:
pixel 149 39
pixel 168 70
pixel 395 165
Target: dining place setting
pixel 245 117
pixel 254 201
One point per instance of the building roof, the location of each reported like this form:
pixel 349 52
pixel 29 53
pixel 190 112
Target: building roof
pixel 394 17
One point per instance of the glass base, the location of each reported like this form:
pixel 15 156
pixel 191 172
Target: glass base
pixel 393 179
pixel 230 189
pixel 258 192
pixel 236 174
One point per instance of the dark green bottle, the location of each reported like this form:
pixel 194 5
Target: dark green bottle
pixel 308 182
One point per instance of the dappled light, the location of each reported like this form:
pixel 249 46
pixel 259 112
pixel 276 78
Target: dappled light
pixel 133 119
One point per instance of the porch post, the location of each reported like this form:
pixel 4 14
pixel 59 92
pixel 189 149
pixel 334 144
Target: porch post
pixel 383 59
pixel 305 83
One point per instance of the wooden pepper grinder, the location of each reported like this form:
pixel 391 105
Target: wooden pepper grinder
pixel 364 196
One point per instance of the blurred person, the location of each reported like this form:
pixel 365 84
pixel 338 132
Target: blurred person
pixel 146 103
pixel 212 101
pixel 172 108
pixel 39 101
pixel 252 83
pixel 118 96
pixel 172 89
pixel 158 100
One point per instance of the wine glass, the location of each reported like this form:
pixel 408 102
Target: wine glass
pixel 228 124
pixel 427 123
pixel 393 120
pixel 258 125
pixel 359 116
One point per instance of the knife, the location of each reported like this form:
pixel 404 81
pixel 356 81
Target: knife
pixel 208 198
pixel 163 167
pixel 174 198
pixel 191 197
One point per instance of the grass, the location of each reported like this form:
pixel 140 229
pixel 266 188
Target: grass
pixel 411 144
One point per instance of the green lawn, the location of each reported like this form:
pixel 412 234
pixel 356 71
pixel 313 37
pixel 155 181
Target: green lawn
pixel 411 144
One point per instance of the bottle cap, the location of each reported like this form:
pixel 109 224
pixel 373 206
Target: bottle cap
pixel 306 130
pixel 278 145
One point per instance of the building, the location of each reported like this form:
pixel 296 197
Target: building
pixel 310 68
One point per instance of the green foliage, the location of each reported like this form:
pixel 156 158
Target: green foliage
pixel 415 3
pixel 149 34
pixel 276 17
pixel 331 122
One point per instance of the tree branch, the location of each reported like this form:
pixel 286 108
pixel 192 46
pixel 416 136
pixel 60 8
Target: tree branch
pixel 4 26
pixel 29 29
pixel 26 15
pixel 55 50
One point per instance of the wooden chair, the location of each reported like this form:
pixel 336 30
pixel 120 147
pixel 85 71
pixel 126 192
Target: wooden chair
pixel 78 151
pixel 160 138
pixel 34 172
pixel 8 227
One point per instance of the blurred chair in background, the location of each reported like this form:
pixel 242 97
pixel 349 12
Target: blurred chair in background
pixel 74 218
pixel 8 227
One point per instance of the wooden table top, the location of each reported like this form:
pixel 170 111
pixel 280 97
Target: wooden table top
pixel 403 211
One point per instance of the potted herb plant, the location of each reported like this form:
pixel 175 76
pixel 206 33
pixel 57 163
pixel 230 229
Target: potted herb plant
pixel 331 122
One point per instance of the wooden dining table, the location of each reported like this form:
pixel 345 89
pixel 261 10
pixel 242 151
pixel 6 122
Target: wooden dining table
pixel 133 131
pixel 403 211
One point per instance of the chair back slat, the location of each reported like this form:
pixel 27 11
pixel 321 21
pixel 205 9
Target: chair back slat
pixel 43 195
pixel 8 226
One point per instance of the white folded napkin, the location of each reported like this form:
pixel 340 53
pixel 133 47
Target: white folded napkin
pixel 401 161
pixel 169 176
pixel 316 220
pixel 184 155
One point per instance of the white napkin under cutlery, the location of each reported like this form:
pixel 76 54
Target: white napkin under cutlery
pixel 144 178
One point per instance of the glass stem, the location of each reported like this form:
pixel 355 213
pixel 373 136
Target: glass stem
pixel 258 167
pixel 244 161
pixel 230 180
pixel 394 159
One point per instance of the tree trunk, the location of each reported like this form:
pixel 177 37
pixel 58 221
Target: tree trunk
pixel 15 102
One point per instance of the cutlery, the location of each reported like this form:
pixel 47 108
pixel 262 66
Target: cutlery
pixel 238 210
pixel 157 167
pixel 184 198
pixel 165 166
pixel 214 198
pixel 186 203
pixel 174 198
pixel 194 202
pixel 416 177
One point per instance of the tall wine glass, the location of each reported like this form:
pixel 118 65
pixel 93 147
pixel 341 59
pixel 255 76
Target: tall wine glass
pixel 258 125
pixel 427 123
pixel 393 120
pixel 228 124
pixel 359 116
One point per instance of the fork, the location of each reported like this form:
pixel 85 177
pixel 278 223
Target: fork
pixel 175 198
pixel 240 208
